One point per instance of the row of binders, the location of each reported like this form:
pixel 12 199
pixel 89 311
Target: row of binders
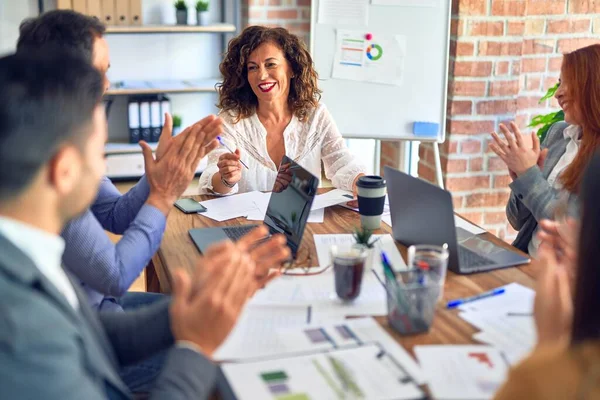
pixel 146 117
pixel 110 12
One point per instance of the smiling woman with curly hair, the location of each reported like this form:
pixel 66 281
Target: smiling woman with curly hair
pixel 269 101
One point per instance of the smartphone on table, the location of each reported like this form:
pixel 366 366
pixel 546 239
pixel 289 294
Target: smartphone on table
pixel 189 206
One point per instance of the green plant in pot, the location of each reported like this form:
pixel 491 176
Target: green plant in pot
pixel 181 12
pixel 546 120
pixel 202 12
pixel 176 124
pixel 363 237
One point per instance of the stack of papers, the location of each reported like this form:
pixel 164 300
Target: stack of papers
pixel 268 332
pixel 253 205
pixel 229 207
pixel 365 372
pixel 318 291
pixel 505 321
pixel 462 372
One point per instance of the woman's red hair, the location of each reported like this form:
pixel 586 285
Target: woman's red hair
pixel 581 71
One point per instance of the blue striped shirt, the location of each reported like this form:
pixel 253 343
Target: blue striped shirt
pixel 106 269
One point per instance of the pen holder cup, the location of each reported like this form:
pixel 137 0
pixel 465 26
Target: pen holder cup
pixel 411 306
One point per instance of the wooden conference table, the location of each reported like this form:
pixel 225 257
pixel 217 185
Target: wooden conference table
pixel 177 250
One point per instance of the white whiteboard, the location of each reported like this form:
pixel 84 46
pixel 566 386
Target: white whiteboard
pixel 379 111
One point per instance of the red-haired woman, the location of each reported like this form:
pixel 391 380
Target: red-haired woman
pixel 269 103
pixel 542 174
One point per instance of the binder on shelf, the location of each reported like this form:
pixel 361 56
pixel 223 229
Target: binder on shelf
pixel 155 120
pixel 122 12
pixel 145 126
pixel 64 5
pixel 135 12
pixel 134 120
pixel 108 11
pixel 80 6
pixel 94 9
pixel 165 107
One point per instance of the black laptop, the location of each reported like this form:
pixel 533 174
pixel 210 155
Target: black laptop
pixel 289 206
pixel 422 213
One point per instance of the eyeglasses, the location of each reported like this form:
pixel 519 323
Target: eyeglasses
pixel 302 265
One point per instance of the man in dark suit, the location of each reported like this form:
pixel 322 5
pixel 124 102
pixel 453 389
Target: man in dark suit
pixel 52 346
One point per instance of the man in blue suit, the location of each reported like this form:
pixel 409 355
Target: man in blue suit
pixel 52 345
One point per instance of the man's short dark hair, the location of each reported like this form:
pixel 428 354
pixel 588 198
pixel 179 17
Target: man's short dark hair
pixel 47 99
pixel 64 29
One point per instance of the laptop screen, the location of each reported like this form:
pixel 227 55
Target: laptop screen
pixel 290 203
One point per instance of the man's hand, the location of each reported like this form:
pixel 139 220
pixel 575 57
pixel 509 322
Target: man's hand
pixel 267 254
pixel 174 168
pixel 515 153
pixel 563 240
pixel 553 308
pixel 206 305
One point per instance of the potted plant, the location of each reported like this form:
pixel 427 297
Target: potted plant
pixel 181 12
pixel 176 124
pixel 547 120
pixel 202 12
pixel 364 238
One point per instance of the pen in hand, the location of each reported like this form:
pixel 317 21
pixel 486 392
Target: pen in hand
pixel 231 151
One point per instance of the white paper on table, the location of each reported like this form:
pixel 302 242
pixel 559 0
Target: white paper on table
pixel 462 372
pixel 406 3
pixel 318 291
pixel 254 333
pixel 374 374
pixel 234 206
pixel 467 226
pixel 515 336
pixel 384 242
pixel 515 299
pixel 379 59
pixel 331 198
pixel 260 211
pixel 344 12
pixel 349 333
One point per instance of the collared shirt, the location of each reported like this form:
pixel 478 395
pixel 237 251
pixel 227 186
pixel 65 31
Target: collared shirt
pixel 45 250
pixel 572 133
pixel 106 269
pixel 310 143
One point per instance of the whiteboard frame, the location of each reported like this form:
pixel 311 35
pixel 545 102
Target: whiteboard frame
pixel 442 135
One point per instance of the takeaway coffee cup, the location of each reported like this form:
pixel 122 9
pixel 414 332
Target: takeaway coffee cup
pixel 371 199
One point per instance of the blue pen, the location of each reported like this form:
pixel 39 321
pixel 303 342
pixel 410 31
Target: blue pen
pixel 231 151
pixel 458 302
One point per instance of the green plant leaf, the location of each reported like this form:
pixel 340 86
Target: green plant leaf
pixel 549 93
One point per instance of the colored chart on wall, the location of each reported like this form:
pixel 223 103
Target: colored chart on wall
pixel 369 57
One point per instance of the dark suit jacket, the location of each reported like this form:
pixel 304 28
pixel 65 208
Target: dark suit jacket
pixel 49 350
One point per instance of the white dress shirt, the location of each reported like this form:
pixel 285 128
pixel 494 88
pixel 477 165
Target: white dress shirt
pixel 572 133
pixel 45 250
pixel 308 143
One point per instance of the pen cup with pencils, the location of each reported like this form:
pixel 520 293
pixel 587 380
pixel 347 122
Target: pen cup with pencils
pixel 412 294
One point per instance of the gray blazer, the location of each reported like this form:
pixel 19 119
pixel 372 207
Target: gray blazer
pixel 532 197
pixel 49 350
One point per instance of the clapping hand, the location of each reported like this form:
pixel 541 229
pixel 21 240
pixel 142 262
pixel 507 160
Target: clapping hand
pixel 553 308
pixel 515 152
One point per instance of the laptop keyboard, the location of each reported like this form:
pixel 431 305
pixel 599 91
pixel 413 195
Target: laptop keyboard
pixel 236 232
pixel 469 259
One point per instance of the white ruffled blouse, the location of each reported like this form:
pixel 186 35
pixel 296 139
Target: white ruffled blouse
pixel 308 143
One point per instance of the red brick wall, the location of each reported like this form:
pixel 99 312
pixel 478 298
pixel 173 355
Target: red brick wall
pixel 293 15
pixel 504 56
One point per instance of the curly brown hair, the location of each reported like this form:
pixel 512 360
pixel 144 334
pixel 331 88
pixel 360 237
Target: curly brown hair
pixel 237 96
